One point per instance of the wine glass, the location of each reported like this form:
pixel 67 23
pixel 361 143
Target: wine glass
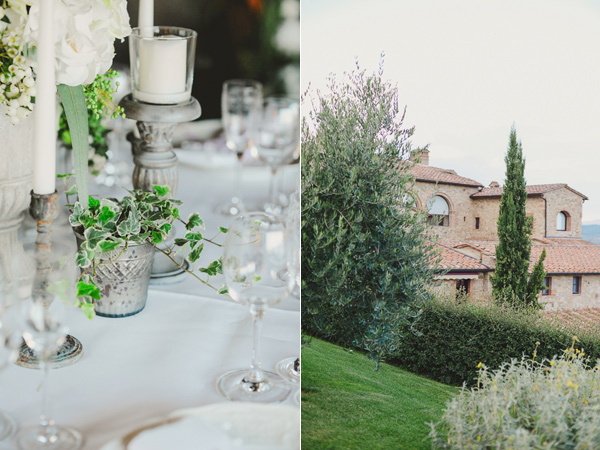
pixel 277 137
pixel 44 323
pixel 289 368
pixel 256 253
pixel 10 338
pixel 240 108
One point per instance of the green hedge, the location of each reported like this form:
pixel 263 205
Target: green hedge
pixel 453 338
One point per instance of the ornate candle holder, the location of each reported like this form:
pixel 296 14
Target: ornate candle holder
pixel 155 161
pixel 44 209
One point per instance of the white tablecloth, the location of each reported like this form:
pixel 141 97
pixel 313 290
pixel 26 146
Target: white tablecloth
pixel 168 356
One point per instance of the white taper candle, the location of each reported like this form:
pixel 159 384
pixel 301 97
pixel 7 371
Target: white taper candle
pixel 146 13
pixel 44 154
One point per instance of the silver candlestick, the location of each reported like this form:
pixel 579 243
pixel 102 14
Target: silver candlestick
pixel 155 161
pixel 44 209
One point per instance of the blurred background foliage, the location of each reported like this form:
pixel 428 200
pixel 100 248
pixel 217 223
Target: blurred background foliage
pixel 257 39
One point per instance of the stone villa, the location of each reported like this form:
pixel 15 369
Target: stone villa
pixel 464 214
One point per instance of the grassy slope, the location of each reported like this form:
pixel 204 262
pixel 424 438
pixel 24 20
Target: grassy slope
pixel 346 405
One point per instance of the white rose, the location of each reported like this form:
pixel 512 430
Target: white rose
pixel 85 31
pixel 119 26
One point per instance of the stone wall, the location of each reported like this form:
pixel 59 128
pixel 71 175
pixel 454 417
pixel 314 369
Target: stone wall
pixel 564 200
pixel 480 288
pixel 561 296
pixel 460 203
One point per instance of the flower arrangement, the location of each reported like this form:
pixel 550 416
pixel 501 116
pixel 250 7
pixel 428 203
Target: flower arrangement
pixel 85 32
pixel 84 42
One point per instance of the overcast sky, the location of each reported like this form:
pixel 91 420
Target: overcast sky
pixel 468 69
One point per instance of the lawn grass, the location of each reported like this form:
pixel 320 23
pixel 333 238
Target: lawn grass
pixel 347 405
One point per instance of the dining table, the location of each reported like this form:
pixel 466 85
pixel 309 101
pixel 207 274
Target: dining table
pixel 169 356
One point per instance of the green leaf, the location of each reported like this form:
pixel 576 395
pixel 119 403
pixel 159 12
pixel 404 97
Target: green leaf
pixel 88 289
pixel 212 268
pixel 82 259
pixel 195 254
pixel 194 220
pixel 94 237
pixel 93 203
pixel 74 104
pixel 222 289
pixel 156 237
pixel 193 236
pixel 106 214
pixel 166 227
pixel 72 190
pixel 88 310
pixel 181 242
pixel 161 191
pixel 223 229
pixel 131 225
pixel 75 217
pixel 109 246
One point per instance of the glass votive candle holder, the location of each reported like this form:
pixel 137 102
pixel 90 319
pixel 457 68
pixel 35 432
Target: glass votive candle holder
pixel 162 64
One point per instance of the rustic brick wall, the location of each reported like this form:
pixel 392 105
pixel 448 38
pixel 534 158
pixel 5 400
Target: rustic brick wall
pixel 460 203
pixel 564 200
pixel 561 296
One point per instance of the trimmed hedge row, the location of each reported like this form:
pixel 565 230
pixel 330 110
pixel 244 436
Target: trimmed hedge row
pixel 453 338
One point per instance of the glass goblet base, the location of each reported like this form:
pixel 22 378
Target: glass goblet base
pixel 287 369
pixel 8 426
pixel 37 438
pixel 233 386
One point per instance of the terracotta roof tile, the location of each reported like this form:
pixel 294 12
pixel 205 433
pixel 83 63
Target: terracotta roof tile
pixel 455 260
pixel 563 255
pixel 443 176
pixel 534 189
pixel 568 258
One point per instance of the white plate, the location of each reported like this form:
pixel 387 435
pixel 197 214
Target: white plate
pixel 246 425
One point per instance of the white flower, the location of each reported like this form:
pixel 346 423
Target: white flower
pixel 119 25
pixel 85 31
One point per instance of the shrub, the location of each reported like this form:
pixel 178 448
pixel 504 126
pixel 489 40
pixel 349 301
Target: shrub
pixel 365 258
pixel 526 405
pixel 452 338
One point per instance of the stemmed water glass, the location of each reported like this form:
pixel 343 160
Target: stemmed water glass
pixel 256 253
pixel 10 337
pixel 44 325
pixel 277 137
pixel 289 368
pixel 240 109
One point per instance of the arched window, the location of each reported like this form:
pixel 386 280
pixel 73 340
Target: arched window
pixel 562 221
pixel 438 211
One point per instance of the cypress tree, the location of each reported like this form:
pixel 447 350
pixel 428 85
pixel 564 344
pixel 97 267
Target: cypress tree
pixel 510 279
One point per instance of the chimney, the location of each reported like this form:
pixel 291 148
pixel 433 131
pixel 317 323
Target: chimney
pixel 424 157
pixel 494 184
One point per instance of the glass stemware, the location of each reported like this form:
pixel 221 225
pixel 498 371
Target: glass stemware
pixel 289 368
pixel 44 322
pixel 256 254
pixel 10 338
pixel 277 137
pixel 240 109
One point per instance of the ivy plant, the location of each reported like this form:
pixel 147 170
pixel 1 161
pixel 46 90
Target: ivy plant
pixel 111 225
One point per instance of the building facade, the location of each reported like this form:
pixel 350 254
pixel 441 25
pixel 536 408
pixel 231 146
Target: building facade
pixel 464 214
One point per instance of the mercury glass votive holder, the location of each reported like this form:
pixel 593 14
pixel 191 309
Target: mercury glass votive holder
pixel 162 64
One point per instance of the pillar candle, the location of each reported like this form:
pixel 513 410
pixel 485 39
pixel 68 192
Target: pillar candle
pixel 44 153
pixel 162 70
